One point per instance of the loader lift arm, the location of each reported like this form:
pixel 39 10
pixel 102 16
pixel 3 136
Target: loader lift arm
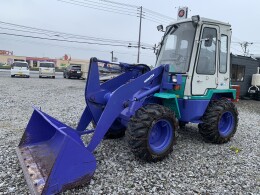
pixel 107 101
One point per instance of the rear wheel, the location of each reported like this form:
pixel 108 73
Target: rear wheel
pixel 53 77
pixel 151 132
pixel 219 121
pixel 182 124
pixel 40 76
pixel 12 75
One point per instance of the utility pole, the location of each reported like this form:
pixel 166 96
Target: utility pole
pixel 112 58
pixel 140 30
pixel 244 46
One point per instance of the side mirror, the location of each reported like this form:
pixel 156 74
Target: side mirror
pixel 160 28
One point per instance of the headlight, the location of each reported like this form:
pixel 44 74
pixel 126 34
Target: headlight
pixel 174 79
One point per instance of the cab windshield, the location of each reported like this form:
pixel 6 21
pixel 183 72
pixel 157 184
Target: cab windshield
pixel 177 46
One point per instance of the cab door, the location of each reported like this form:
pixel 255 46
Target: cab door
pixel 224 58
pixel 205 71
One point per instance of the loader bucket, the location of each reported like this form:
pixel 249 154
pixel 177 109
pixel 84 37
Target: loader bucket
pixel 52 156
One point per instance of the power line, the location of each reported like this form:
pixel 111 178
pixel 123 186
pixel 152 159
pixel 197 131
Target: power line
pixel 123 4
pixel 63 46
pixel 115 4
pixel 159 19
pixel 77 48
pixel 155 21
pixel 95 7
pixel 62 40
pixel 236 50
pixel 153 16
pixel 158 14
pixel 57 33
pixel 124 9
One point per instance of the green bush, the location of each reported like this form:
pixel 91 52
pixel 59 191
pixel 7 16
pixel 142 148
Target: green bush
pixel 5 67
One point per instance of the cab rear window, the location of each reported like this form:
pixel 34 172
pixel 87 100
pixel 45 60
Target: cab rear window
pixel 76 67
pixel 47 65
pixel 19 65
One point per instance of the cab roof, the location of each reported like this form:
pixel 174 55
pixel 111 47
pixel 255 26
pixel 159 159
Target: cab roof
pixel 203 20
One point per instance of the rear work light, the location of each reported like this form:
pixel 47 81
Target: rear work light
pixel 177 87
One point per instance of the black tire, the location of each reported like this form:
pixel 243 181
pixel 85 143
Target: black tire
pixel 53 77
pixel 218 112
pixel 40 76
pixel 12 76
pixel 182 124
pixel 257 95
pixel 250 95
pixel 245 98
pixel 117 130
pixel 143 123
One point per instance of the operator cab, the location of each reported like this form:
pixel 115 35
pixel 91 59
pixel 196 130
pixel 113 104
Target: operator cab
pixel 197 48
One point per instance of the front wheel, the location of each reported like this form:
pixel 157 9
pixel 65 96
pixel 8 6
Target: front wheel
pixel 117 130
pixel 151 132
pixel 219 121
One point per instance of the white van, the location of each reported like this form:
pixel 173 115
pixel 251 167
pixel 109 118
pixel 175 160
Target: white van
pixel 20 68
pixel 47 69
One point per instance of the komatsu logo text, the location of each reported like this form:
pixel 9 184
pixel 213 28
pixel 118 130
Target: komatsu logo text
pixel 149 78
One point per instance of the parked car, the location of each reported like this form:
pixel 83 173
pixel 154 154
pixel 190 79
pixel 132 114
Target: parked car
pixel 72 71
pixel 20 68
pixel 47 69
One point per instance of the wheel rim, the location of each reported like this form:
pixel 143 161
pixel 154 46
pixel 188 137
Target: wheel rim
pixel 226 124
pixel 160 136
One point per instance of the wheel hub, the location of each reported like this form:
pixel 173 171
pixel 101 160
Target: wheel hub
pixel 226 124
pixel 160 135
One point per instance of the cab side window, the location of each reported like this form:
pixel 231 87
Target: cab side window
pixel 207 56
pixel 223 54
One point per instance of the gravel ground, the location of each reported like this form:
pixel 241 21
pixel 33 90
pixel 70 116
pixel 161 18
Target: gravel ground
pixel 194 167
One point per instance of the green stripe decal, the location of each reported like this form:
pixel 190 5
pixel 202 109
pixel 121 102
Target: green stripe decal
pixel 211 92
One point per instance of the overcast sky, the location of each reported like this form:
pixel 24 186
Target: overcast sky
pixel 59 16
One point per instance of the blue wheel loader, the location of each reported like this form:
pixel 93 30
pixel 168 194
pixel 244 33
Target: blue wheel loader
pixel 189 84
